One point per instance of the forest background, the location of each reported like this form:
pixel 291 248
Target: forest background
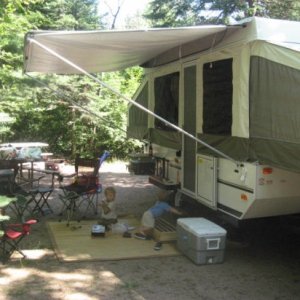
pixel 72 113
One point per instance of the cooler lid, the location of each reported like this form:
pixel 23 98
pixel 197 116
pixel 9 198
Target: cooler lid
pixel 201 226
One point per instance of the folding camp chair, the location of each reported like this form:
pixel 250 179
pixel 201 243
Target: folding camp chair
pixel 40 197
pixel 85 189
pixel 36 192
pixel 13 235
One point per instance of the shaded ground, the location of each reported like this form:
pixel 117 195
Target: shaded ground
pixel 267 266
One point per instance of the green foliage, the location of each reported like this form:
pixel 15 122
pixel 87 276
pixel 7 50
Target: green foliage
pixel 67 14
pixel 287 10
pixel 167 13
pixel 75 114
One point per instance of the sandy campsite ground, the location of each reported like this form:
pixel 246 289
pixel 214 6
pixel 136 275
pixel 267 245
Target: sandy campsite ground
pixel 266 265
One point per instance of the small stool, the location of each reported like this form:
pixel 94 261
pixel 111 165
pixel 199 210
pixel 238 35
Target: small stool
pixel 40 197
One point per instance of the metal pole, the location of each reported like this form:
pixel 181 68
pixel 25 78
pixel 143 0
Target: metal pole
pixel 130 100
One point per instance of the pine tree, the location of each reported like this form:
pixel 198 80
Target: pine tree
pixel 168 13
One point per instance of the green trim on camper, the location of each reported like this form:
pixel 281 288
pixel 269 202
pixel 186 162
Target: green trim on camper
pixel 137 118
pixel 169 139
pixel 265 151
pixel 236 147
pixel 274 101
pixel 276 153
pixel 137 132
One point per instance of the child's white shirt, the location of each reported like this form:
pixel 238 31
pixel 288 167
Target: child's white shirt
pixel 112 214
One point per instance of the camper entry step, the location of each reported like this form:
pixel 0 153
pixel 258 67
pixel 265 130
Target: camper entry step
pixel 164 231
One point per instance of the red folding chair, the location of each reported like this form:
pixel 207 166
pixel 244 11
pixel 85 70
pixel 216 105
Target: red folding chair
pixel 85 189
pixel 13 235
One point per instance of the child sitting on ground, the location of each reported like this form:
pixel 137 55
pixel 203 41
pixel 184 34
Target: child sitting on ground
pixel 149 216
pixel 108 206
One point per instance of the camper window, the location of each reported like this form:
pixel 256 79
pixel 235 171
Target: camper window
pixel 217 97
pixel 166 89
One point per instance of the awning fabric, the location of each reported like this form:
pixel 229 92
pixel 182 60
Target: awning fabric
pixel 105 51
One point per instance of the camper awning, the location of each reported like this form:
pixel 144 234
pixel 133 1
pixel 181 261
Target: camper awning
pixel 105 51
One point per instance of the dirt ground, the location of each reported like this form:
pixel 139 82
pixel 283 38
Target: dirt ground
pixel 262 262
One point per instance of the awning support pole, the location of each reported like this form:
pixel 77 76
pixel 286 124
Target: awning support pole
pixel 65 60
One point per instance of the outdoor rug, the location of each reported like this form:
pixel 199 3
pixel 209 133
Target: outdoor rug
pixel 75 243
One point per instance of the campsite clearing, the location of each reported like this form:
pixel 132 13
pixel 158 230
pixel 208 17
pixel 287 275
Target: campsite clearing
pixel 265 266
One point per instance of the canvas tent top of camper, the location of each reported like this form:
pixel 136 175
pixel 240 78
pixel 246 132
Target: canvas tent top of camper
pixel 105 51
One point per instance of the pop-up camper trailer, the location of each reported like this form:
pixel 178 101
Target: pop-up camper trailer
pixel 234 88
pixel 241 96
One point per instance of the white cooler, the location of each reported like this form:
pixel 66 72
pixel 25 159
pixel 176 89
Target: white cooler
pixel 201 240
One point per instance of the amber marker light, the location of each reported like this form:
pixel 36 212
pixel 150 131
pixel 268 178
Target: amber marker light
pixel 244 197
pixel 267 171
